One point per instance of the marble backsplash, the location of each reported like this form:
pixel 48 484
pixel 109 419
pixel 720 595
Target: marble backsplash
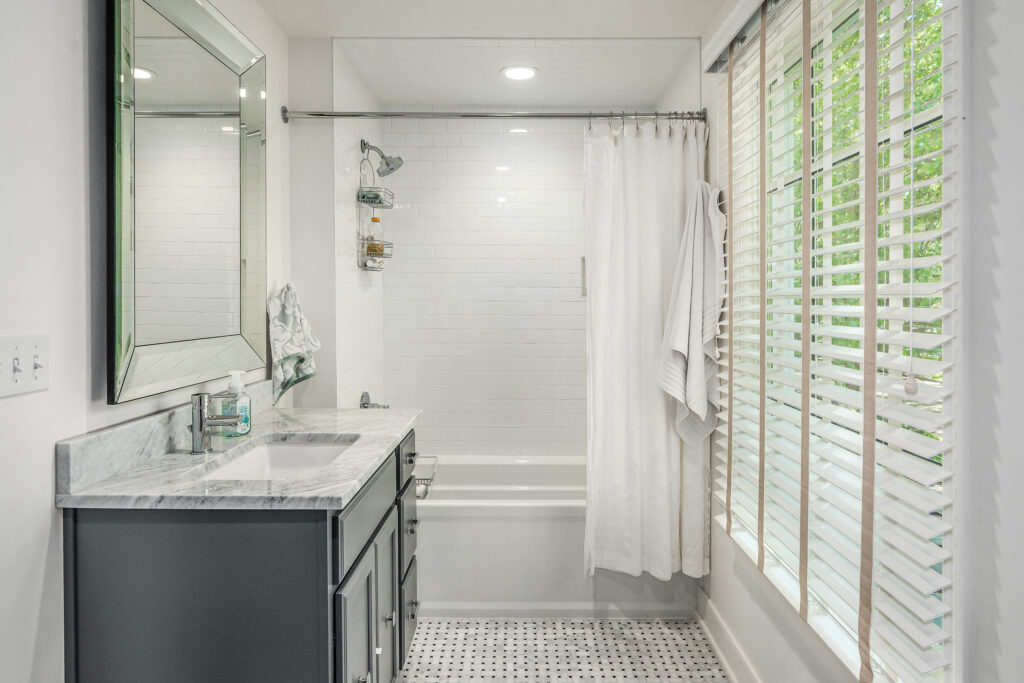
pixel 94 456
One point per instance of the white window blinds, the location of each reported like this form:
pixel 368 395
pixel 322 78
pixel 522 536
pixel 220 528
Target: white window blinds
pixel 835 449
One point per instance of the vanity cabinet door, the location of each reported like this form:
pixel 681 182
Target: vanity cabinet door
pixel 354 617
pixel 409 607
pixel 386 544
pixel 409 525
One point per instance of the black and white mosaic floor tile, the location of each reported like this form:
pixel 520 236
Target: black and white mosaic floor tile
pixel 562 651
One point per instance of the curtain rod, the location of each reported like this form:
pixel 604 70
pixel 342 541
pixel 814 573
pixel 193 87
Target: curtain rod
pixel 188 114
pixel 287 115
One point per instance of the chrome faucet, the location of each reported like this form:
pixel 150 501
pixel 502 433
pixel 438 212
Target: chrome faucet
pixel 202 421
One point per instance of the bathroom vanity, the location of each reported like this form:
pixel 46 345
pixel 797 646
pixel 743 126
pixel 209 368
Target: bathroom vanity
pixel 182 567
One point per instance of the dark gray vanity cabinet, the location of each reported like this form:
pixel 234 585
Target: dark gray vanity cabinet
pixel 366 614
pixel 386 549
pixel 252 596
pixel 408 522
pixel 354 623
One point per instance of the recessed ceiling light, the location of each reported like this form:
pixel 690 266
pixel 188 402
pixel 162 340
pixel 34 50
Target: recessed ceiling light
pixel 519 73
pixel 501 168
pixel 518 131
pixel 502 200
pixel 228 129
pixel 141 73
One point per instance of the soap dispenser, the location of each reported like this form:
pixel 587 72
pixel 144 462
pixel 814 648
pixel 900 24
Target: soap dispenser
pixel 237 402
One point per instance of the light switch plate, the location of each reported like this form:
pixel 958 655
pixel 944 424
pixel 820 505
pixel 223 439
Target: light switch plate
pixel 24 364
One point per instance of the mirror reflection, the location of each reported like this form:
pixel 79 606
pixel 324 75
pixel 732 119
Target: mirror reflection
pixel 189 261
pixel 187 189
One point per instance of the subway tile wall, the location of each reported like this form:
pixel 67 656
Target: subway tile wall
pixel 484 319
pixel 359 293
pixel 186 229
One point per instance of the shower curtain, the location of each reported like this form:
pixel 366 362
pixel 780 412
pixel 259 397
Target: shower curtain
pixel 637 181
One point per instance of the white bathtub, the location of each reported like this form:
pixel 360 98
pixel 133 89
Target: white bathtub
pixel 503 536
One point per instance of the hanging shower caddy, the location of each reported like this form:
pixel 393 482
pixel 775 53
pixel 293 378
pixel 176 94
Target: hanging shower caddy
pixel 373 251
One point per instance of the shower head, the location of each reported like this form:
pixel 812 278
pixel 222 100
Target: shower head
pixel 388 165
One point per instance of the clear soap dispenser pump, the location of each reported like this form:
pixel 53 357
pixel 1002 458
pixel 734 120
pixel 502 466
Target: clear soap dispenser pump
pixel 237 402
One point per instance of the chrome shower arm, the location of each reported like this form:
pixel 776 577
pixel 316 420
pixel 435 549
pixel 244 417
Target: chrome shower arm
pixel 364 146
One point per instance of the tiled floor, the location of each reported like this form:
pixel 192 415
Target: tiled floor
pixel 568 650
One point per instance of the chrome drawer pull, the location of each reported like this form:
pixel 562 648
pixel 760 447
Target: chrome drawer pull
pixel 413 523
pixel 415 604
pixel 410 459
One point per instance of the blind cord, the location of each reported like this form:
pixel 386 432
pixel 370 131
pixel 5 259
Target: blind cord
pixel 910 382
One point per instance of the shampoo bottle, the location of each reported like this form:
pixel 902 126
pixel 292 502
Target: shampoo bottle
pixel 237 403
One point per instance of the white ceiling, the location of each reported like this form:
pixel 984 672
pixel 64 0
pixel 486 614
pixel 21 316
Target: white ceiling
pixel 494 18
pixel 571 73
pixel 185 75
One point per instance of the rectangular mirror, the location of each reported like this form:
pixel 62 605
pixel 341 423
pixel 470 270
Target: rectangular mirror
pixel 188 221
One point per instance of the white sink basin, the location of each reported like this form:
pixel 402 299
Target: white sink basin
pixel 281 460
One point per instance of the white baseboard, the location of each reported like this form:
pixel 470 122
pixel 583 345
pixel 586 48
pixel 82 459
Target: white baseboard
pixel 734 660
pixel 564 610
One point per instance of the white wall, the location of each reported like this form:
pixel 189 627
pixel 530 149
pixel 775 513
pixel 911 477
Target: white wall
pixel 342 303
pixel 484 322
pixel 312 213
pixel 359 314
pixel 990 509
pixel 684 93
pixel 52 279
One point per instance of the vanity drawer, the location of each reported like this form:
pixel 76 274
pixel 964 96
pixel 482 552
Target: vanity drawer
pixel 355 524
pixel 408 523
pixel 410 608
pixel 406 459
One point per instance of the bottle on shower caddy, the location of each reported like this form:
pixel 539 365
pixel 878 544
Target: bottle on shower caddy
pixel 373 247
pixel 237 402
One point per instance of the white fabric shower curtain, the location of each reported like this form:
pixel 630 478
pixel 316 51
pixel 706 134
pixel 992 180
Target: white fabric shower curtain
pixel 637 182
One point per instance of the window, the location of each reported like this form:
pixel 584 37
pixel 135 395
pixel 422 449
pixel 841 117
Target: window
pixel 834 454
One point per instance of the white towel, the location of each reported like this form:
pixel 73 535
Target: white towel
pixel 292 341
pixel 688 367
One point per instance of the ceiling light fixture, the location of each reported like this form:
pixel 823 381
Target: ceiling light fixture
pixel 141 74
pixel 501 168
pixel 518 131
pixel 228 129
pixel 519 73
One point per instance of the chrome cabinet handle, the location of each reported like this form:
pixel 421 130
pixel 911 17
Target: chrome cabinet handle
pixel 410 459
pixel 415 605
pixel 413 523
pixel 390 618
pixel 368 678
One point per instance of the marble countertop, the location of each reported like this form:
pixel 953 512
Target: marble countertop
pixel 173 480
